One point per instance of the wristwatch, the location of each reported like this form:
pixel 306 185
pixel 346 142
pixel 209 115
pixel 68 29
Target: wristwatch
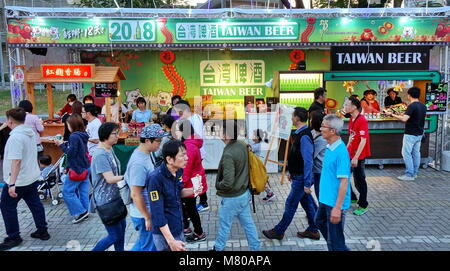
pixel 11 185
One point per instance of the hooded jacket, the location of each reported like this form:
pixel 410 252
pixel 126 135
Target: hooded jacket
pixel 76 150
pixel 21 145
pixel 194 165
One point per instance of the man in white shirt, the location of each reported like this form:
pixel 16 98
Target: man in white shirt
pixel 90 114
pixel 20 172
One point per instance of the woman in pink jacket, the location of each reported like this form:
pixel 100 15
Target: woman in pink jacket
pixel 193 169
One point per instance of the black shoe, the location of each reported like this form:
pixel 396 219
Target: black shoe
pixel 272 234
pixel 9 243
pixel 80 218
pixel 196 238
pixel 213 249
pixel 43 235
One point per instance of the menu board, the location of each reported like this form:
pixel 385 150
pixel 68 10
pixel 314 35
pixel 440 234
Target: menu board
pixel 106 90
pixel 436 96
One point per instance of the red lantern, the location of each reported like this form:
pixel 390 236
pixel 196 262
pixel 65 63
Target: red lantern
pixel 167 57
pixel 297 55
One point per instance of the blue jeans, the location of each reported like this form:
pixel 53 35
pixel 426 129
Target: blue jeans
pixel 317 184
pixel 236 207
pixel 296 196
pixel 8 207
pixel 145 240
pixel 161 243
pixel 76 196
pixel 116 237
pixel 333 233
pixel 411 154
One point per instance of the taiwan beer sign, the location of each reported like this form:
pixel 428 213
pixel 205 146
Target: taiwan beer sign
pixel 358 58
pixel 66 71
pixel 103 90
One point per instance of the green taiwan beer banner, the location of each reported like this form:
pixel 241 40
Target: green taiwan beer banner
pixel 191 33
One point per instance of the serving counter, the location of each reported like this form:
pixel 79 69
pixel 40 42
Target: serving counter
pixel 47 136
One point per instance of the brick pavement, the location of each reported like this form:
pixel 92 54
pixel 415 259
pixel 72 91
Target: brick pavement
pixel 402 216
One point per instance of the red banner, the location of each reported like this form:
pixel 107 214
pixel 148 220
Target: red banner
pixel 67 71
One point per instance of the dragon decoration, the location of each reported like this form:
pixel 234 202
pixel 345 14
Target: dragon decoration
pixel 169 70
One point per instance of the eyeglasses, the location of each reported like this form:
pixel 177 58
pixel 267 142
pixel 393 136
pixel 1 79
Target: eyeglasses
pixel 326 127
pixel 115 133
pixel 158 140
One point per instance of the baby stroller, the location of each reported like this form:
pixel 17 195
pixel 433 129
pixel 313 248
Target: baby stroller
pixel 52 180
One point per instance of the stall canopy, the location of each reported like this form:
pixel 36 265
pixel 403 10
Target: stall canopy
pixel 92 74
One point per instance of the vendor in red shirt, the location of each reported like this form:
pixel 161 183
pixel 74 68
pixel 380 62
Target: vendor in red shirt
pixel 359 148
pixel 71 98
pixel 368 103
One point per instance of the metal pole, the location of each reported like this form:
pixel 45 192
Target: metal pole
pixel 2 71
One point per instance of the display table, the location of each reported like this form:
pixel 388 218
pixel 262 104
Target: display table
pixel 123 153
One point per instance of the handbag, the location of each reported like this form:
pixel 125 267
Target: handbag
pixel 74 176
pixel 113 212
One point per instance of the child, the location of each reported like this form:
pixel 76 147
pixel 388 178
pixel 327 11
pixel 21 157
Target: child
pixel 45 163
pixel 258 137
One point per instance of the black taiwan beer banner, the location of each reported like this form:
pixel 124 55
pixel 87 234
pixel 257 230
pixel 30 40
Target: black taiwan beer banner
pixel 380 58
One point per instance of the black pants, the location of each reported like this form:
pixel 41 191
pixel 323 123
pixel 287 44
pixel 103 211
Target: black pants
pixel 359 176
pixel 190 210
pixel 203 199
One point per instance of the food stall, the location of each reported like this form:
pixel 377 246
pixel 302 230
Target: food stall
pixel 222 57
pixel 65 73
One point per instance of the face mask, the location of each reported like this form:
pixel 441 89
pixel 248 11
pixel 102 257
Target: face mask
pixel 347 115
pixel 70 103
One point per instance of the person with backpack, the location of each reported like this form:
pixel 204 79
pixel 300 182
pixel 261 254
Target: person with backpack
pixel 141 163
pixel 193 169
pixel 300 166
pixel 232 185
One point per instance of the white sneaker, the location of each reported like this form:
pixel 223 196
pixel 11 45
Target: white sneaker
pixel 405 178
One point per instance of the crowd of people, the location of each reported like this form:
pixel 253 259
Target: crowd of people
pixel 164 176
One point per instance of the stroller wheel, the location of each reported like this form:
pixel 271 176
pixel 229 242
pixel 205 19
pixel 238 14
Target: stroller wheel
pixel 60 195
pixel 55 202
pixel 41 196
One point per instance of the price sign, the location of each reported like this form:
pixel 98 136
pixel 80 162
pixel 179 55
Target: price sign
pixel 132 30
pixel 436 97
pixel 106 90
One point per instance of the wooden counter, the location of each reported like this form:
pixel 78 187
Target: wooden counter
pixel 50 148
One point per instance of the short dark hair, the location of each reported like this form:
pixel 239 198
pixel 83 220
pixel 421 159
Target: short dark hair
pixel 176 97
pixel 414 92
pixel 301 113
pixel 186 107
pixel 142 139
pixel 171 149
pixel 17 114
pixel 355 102
pixel 168 120
pixel 76 123
pixel 26 105
pixel 316 119
pixel 45 160
pixel 106 130
pixel 71 98
pixel 186 128
pixel 369 91
pixel 319 92
pixel 230 129
pixel 91 108
pixel 88 97
pixel 392 90
pixel 140 100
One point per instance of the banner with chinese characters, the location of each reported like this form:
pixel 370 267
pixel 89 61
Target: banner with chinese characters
pixel 232 78
pixel 239 32
pixel 67 71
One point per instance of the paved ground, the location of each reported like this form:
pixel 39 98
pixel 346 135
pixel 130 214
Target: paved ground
pixel 402 216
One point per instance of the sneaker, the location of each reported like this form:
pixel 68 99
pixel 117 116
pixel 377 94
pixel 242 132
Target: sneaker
pixel 269 197
pixel 80 218
pixel 354 201
pixel 187 231
pixel 360 211
pixel 202 208
pixel 9 243
pixel 40 235
pixel 272 234
pixel 196 238
pixel 213 249
pixel 405 178
pixel 309 234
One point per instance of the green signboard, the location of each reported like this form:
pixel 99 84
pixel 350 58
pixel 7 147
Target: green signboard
pixel 169 32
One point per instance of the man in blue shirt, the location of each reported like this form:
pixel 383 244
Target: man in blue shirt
pixel 140 165
pixel 300 164
pixel 166 190
pixel 334 196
